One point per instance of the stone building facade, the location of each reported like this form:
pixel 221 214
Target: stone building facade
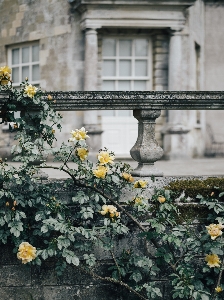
pixel 118 45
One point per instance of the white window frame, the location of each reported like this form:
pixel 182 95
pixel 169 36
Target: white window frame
pixel 133 58
pixel 20 64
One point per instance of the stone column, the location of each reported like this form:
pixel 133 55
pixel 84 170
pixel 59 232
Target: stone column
pixel 146 150
pixel 90 84
pixel 175 133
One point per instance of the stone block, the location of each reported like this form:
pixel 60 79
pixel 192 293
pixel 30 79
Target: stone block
pixel 160 73
pixel 15 275
pixel 160 50
pixel 160 81
pixel 161 57
pixel 160 65
pixel 93 292
pixel 22 293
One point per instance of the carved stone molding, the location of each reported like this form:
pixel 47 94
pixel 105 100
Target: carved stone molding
pixel 133 13
pixel 154 100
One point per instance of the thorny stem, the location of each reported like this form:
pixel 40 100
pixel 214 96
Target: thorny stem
pixel 218 281
pixel 100 192
pixel 112 280
pixel 114 259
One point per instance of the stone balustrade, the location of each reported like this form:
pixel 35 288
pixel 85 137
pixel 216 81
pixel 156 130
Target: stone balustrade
pixel 146 108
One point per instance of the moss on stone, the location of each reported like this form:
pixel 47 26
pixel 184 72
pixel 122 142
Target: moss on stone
pixel 211 186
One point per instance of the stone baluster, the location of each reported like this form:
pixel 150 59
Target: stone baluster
pixel 91 122
pixel 146 150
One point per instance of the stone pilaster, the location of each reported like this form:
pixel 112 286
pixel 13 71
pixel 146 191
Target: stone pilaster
pixel 90 76
pixel 176 144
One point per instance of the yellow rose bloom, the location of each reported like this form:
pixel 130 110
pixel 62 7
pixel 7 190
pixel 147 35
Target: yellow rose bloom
pixel 214 230
pixel 218 289
pixel 104 210
pixel 140 184
pixel 82 153
pixel 78 135
pixel 105 158
pixel 128 177
pixel 5 75
pixel 137 201
pixel 49 97
pixel 161 199
pixel 110 210
pixel 212 260
pixel 26 252
pixel 100 172
pixel 5 72
pixel 30 90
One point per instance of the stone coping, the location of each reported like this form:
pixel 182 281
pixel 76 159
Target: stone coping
pixel 147 100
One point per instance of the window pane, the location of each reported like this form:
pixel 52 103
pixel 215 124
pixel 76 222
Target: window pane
pixel 25 54
pixel 107 113
pixel 141 47
pixel 109 68
pixel 15 74
pixel 35 53
pixel 15 56
pixel 125 68
pixel 35 72
pixel 109 47
pixel 108 85
pixel 25 73
pixel 124 85
pixel 141 68
pixel 139 85
pixel 125 48
pixel 124 113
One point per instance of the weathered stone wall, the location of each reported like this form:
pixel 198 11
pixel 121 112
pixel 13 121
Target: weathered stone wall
pixel 61 46
pixel 23 282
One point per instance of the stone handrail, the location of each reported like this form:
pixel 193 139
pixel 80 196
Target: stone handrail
pixel 147 107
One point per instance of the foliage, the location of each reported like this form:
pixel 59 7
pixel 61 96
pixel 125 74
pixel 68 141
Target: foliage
pixel 159 240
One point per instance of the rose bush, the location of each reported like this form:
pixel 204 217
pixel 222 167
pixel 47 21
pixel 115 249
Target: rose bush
pixel 40 224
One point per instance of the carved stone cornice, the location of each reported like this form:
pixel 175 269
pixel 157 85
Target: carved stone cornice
pixel 132 13
pixel 149 100
pixel 186 3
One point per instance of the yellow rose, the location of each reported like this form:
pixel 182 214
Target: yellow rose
pixel 140 184
pixel 78 135
pixel 100 172
pixel 214 230
pixel 104 210
pixel 26 252
pixel 105 158
pixel 161 199
pixel 218 289
pixel 137 201
pixel 82 153
pixel 49 97
pixel 30 90
pixel 4 81
pixel 110 211
pixel 128 177
pixel 5 72
pixel 213 260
